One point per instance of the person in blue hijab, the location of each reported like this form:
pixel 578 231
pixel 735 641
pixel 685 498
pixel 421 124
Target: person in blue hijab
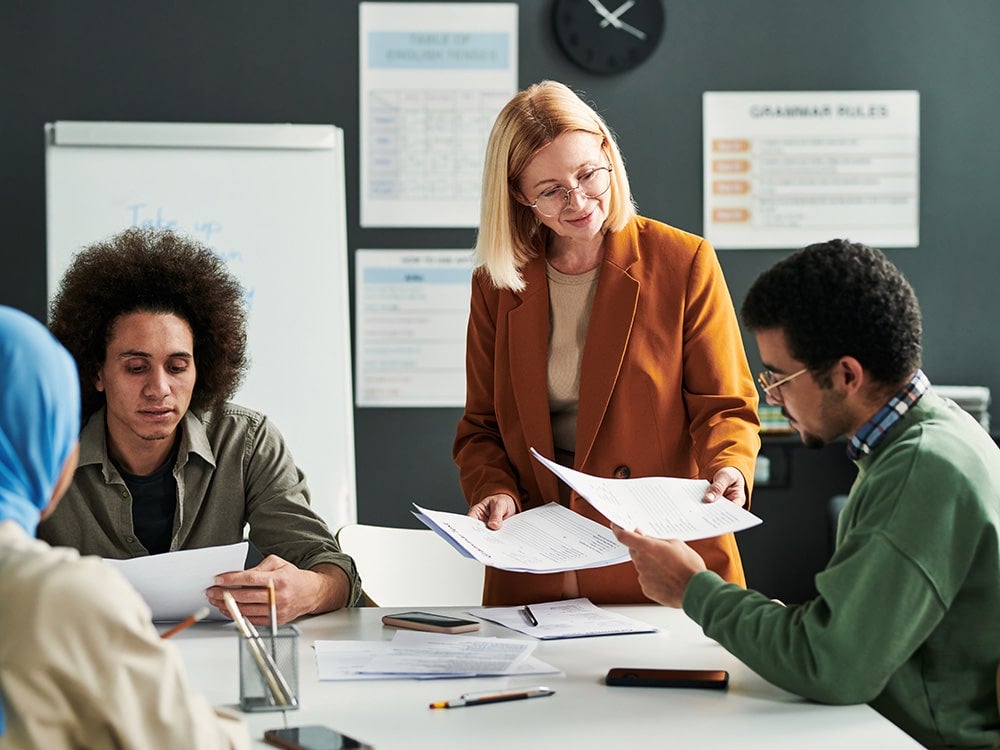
pixel 81 664
pixel 39 417
pixel 39 421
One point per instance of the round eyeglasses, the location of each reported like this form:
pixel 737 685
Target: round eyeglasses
pixel 592 184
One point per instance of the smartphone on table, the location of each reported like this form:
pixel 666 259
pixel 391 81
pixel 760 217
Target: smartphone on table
pixel 713 679
pixel 312 737
pixel 430 622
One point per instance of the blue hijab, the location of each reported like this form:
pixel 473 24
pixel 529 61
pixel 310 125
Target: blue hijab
pixel 39 418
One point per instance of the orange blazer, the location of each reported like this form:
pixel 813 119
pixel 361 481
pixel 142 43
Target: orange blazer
pixel 665 390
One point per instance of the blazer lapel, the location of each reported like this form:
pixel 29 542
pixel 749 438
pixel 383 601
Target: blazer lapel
pixel 607 336
pixel 528 349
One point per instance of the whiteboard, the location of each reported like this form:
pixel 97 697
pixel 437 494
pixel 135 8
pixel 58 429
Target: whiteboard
pixel 270 200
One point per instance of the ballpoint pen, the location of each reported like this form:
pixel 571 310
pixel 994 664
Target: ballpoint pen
pixel 478 699
pixel 529 615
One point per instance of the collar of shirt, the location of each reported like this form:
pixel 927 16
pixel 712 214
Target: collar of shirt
pixel 874 430
pixel 94 448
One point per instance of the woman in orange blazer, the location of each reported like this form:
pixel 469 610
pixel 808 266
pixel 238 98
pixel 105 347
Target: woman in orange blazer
pixel 597 336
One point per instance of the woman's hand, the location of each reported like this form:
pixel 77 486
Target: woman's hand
pixel 728 483
pixel 493 510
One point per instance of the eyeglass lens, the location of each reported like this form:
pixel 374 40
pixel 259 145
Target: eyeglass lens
pixel 593 184
pixel 770 382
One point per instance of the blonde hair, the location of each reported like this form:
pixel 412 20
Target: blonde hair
pixel 508 230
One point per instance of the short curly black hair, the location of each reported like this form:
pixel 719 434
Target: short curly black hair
pixel 836 299
pixel 153 271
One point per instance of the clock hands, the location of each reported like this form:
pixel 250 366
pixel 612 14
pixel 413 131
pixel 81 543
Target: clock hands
pixel 583 29
pixel 614 20
pixel 617 12
pixel 599 7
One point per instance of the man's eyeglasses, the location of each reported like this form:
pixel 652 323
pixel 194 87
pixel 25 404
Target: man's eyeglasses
pixel 767 381
pixel 592 184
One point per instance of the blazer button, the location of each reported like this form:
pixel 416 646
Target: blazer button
pixel 622 472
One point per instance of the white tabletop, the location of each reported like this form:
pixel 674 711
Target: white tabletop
pixel 584 713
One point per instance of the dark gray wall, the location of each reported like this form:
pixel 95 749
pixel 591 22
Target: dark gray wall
pixel 267 61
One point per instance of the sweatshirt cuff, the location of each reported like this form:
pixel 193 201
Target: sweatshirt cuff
pixel 699 592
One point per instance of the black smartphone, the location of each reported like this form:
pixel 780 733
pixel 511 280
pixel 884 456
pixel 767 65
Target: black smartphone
pixel 713 679
pixel 430 621
pixel 312 737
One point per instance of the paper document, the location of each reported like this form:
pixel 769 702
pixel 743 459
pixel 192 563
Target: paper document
pixel 343 660
pixel 413 654
pixel 661 507
pixel 571 618
pixel 547 539
pixel 173 584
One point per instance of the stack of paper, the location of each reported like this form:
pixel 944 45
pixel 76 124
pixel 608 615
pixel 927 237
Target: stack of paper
pixel 570 618
pixel 413 654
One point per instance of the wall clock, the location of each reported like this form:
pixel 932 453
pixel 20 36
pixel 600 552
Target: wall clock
pixel 608 36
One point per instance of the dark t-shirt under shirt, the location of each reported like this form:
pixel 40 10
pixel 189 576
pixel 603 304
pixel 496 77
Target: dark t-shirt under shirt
pixel 154 504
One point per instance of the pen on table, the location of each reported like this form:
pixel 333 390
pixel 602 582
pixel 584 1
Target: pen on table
pixel 529 615
pixel 478 699
pixel 187 622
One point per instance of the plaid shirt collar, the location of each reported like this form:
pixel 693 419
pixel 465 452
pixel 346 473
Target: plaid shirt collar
pixel 874 430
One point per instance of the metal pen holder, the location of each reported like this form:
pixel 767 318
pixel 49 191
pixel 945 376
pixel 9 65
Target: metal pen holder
pixel 284 650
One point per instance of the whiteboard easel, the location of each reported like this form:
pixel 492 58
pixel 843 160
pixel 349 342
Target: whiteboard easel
pixel 270 200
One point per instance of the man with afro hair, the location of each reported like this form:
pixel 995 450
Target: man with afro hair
pixel 157 326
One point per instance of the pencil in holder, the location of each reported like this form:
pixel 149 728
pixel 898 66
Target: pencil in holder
pixel 283 648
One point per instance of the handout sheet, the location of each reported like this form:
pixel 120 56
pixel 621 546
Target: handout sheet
pixel 421 655
pixel 569 618
pixel 547 539
pixel 173 584
pixel 661 507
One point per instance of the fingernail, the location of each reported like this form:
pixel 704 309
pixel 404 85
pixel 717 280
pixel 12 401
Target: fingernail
pixel 218 580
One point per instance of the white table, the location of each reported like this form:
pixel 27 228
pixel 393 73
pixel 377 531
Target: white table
pixel 584 713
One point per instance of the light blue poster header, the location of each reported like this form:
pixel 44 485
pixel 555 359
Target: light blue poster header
pixel 418 276
pixel 440 50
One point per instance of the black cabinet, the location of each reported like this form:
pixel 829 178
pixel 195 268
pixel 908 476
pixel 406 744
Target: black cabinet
pixel 782 555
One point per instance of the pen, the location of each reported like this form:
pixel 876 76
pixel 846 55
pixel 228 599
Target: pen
pixel 529 615
pixel 279 691
pixel 477 699
pixel 273 617
pixel 187 622
pixel 274 610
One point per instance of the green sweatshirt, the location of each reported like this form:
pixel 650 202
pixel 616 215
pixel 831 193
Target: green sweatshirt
pixel 908 613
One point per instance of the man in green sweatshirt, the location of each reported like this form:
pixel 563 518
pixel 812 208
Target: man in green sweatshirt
pixel 908 613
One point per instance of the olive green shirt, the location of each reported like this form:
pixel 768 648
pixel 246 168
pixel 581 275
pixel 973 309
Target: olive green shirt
pixel 233 468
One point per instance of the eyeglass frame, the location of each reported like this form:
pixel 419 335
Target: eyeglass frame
pixel 764 380
pixel 568 191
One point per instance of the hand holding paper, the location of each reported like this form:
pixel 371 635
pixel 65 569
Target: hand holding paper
pixel 173 584
pixel 665 566
pixel 661 507
pixel 549 539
